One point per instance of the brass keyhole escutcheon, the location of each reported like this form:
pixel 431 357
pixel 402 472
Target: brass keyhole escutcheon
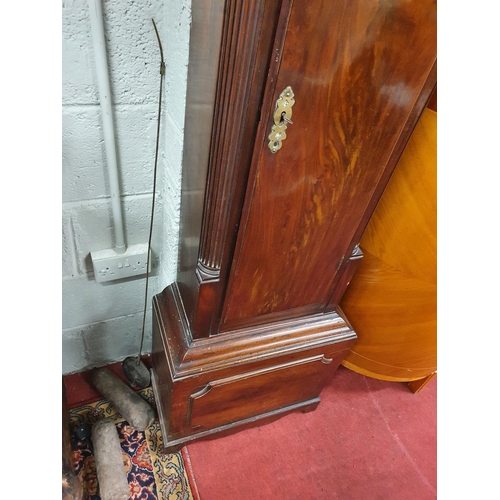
pixel 282 117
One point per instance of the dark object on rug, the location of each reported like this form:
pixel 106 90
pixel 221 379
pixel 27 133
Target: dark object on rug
pixel 82 433
pixel 130 405
pixel 71 487
pixel 151 474
pixel 113 484
pixel 136 372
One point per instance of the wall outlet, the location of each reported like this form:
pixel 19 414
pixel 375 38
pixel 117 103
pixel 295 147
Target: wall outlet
pixel 109 265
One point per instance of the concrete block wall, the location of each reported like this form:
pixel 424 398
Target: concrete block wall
pixel 102 321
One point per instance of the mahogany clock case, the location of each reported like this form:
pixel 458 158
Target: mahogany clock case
pixel 251 329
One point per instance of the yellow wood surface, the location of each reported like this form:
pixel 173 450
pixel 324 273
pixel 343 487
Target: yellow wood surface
pixel 391 300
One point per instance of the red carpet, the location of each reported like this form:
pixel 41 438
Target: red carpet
pixel 368 439
pixel 79 387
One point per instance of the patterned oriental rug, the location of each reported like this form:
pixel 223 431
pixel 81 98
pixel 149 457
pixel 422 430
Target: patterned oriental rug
pixel 151 474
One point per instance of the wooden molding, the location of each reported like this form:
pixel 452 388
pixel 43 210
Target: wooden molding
pixel 345 278
pixel 248 33
pixel 236 63
pixel 275 368
pixel 187 356
pixel 174 445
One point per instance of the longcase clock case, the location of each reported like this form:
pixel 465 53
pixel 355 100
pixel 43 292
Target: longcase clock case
pixel 297 113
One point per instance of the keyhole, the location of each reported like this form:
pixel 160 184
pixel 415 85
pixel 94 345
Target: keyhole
pixel 285 119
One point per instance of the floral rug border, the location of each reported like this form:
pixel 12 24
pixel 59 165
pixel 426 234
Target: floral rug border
pixel 142 457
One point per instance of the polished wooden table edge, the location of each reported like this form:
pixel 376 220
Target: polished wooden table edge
pixel 386 378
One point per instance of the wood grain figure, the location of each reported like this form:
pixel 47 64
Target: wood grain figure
pixel 252 329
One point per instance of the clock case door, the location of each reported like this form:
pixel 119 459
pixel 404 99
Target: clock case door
pixel 251 328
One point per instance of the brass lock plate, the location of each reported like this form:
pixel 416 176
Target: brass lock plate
pixel 282 117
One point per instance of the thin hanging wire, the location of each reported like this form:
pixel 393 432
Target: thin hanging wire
pixel 162 74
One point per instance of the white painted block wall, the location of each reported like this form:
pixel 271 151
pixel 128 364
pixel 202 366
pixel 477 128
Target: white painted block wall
pixel 102 321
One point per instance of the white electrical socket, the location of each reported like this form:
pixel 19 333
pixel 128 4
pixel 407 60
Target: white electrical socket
pixel 109 265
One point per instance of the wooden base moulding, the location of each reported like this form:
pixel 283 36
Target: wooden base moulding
pixel 206 386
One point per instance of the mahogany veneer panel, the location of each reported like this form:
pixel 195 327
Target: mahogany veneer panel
pixel 252 393
pixel 348 64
